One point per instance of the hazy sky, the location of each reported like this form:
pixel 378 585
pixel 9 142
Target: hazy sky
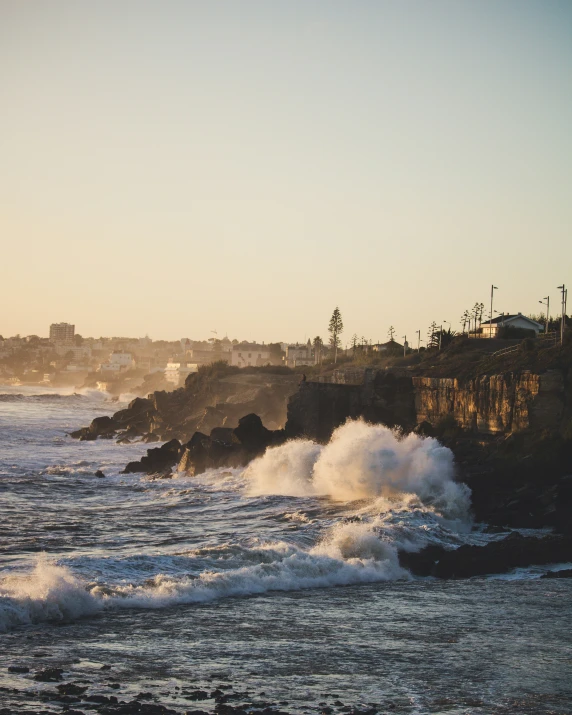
pixel 177 167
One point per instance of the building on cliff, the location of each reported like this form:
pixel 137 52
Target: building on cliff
pixel 249 354
pixel 300 355
pixel 492 328
pixel 177 372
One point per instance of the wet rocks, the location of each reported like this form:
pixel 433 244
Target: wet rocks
pixel 49 675
pixel 158 459
pixel 493 558
pixel 18 669
pixel 226 447
pixel 71 689
pixel 563 573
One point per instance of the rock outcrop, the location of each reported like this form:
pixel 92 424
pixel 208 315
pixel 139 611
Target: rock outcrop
pixel 158 460
pixel 496 557
pixel 216 397
pixel 226 447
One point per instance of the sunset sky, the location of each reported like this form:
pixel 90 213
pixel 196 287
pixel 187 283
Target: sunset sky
pixel 244 166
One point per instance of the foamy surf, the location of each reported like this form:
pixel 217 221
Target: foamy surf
pixel 363 461
pixel 350 554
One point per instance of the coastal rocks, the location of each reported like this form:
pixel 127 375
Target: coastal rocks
pixel 100 427
pixel 563 573
pixel 226 447
pixel 214 397
pixel 158 460
pixel 496 557
pixel 49 675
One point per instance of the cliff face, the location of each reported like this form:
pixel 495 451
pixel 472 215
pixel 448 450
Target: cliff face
pixel 488 405
pixel 492 404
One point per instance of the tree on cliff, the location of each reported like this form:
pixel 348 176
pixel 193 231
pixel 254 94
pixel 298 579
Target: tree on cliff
pixel 354 343
pixel 318 345
pixel 335 329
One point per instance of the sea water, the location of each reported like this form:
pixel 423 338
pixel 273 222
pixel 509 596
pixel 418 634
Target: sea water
pixel 280 581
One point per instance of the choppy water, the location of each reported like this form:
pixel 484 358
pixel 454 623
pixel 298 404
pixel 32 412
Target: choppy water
pixel 282 579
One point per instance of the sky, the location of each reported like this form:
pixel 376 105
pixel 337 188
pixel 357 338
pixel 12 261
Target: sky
pixel 175 168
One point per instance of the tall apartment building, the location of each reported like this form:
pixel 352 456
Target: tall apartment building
pixel 62 332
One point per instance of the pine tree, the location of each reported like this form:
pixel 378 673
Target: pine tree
pixel 335 328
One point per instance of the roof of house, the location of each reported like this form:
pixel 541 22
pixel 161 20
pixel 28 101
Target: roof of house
pixel 389 344
pixel 509 318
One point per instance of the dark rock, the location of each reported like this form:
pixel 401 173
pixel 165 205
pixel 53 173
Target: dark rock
pixel 150 437
pixel 158 459
pixel 71 689
pixel 199 695
pixel 563 573
pixel 496 557
pixel 49 675
pixel 99 474
pixel 18 669
pixel 102 699
pixel 252 435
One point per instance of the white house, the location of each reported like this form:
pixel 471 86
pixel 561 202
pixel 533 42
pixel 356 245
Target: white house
pixel 117 362
pixel 491 328
pixel 176 372
pixel 247 354
pixel 297 355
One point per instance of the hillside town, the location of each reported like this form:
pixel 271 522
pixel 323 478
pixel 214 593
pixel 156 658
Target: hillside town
pixel 121 364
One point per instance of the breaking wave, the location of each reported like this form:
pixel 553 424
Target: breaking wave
pixel 349 554
pixel 42 397
pixel 363 461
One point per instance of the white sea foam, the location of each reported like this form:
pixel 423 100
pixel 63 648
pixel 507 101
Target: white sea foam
pixel 363 461
pixel 48 593
pixel 350 554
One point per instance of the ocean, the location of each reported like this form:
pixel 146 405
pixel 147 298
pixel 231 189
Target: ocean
pixel 275 587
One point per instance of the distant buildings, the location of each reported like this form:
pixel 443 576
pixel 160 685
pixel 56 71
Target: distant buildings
pixel 176 372
pixel 300 355
pixel 62 332
pixel 251 354
pixel 389 346
pixel 118 361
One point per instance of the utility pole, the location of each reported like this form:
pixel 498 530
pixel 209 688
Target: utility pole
pixel 440 335
pixel 547 304
pixel 404 345
pixel 418 340
pixel 564 300
pixel 493 288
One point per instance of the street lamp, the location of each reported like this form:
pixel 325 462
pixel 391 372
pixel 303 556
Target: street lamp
pixel 404 345
pixel 493 288
pixel 564 301
pixel 547 304
pixel 418 339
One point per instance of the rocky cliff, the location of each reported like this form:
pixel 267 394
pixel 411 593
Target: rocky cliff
pixel 511 433
pixel 216 396
pixel 486 405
